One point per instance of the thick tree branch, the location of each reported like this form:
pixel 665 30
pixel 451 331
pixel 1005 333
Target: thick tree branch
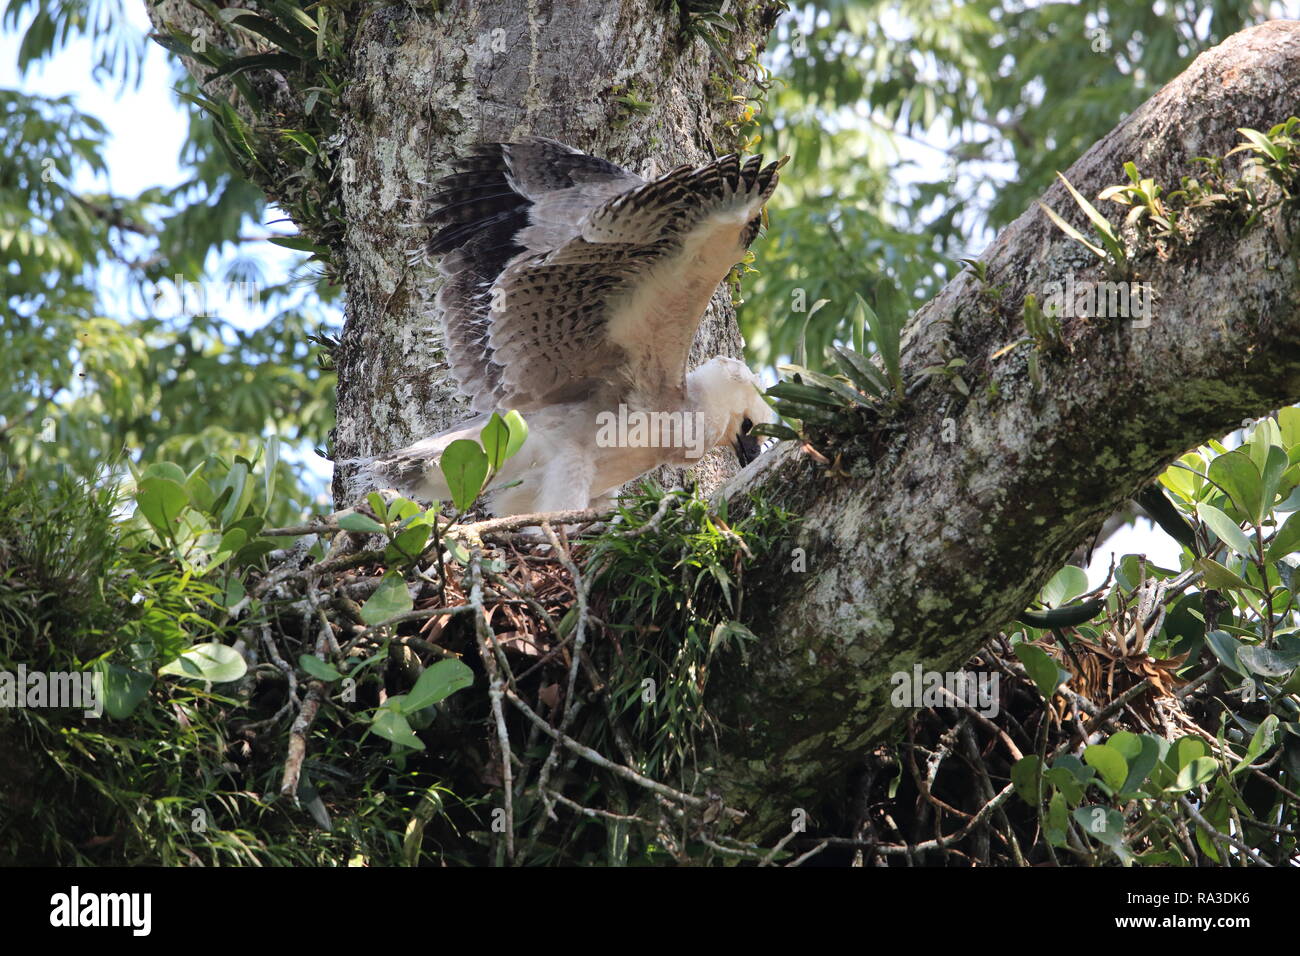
pixel 931 544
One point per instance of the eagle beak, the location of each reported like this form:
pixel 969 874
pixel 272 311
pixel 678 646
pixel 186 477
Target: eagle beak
pixel 747 449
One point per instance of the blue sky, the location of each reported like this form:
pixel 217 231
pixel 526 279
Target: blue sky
pixel 148 128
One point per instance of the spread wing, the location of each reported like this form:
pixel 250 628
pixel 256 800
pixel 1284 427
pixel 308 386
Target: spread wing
pixel 565 271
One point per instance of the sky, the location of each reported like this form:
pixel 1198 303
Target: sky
pixel 147 128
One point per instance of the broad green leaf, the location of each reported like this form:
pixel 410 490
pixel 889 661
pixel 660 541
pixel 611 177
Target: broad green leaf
pixel 207 662
pixel 1101 823
pixel 1108 762
pixel 168 470
pixel 391 725
pixel 1185 750
pixel 124 688
pixel 1266 661
pixel 1196 773
pixel 1273 472
pixel 390 599
pixel 1219 577
pixel 408 544
pixel 318 668
pixel 1260 742
pixel 1227 530
pixel 161 501
pixel 1065 585
pixel 438 681
pixel 1024 777
pixel 1226 648
pixel 356 521
pixel 1287 538
pixel 1288 423
pixel 241 493
pixel 1042 670
pixel 465 466
pixel 1236 474
pixel 378 505
pixel 1140 764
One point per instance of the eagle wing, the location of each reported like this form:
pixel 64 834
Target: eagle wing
pixel 566 272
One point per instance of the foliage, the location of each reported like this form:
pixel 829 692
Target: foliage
pixel 675 600
pixel 176 771
pixel 1235 641
pixel 917 128
pixel 116 309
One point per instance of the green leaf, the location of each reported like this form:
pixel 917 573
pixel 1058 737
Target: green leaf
pixel 806 394
pixel 241 493
pixel 1185 750
pixel 781 432
pixel 168 470
pixel 378 505
pixel 465 466
pixel 518 433
pixel 257 61
pixel 391 725
pixel 1288 423
pixel 1287 538
pixel 1108 762
pixel 318 668
pixel 1236 474
pixel 1041 668
pixel 1267 662
pixel 272 466
pixel 1219 577
pixel 207 662
pixel 495 438
pixel 1196 773
pixel 860 370
pixel 1141 763
pixel 390 599
pixel 1227 530
pixel 1101 823
pixel 1260 742
pixel 1226 648
pixel 161 501
pixel 1073 233
pixel 1065 585
pixel 1058 818
pixel 1024 777
pixel 1275 466
pixel 887 333
pixel 408 544
pixel 827 382
pixel 124 689
pixel 359 522
pixel 438 681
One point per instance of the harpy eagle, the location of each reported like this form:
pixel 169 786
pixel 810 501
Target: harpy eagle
pixel 573 292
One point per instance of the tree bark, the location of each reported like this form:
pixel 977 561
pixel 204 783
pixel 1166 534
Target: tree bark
pixel 928 545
